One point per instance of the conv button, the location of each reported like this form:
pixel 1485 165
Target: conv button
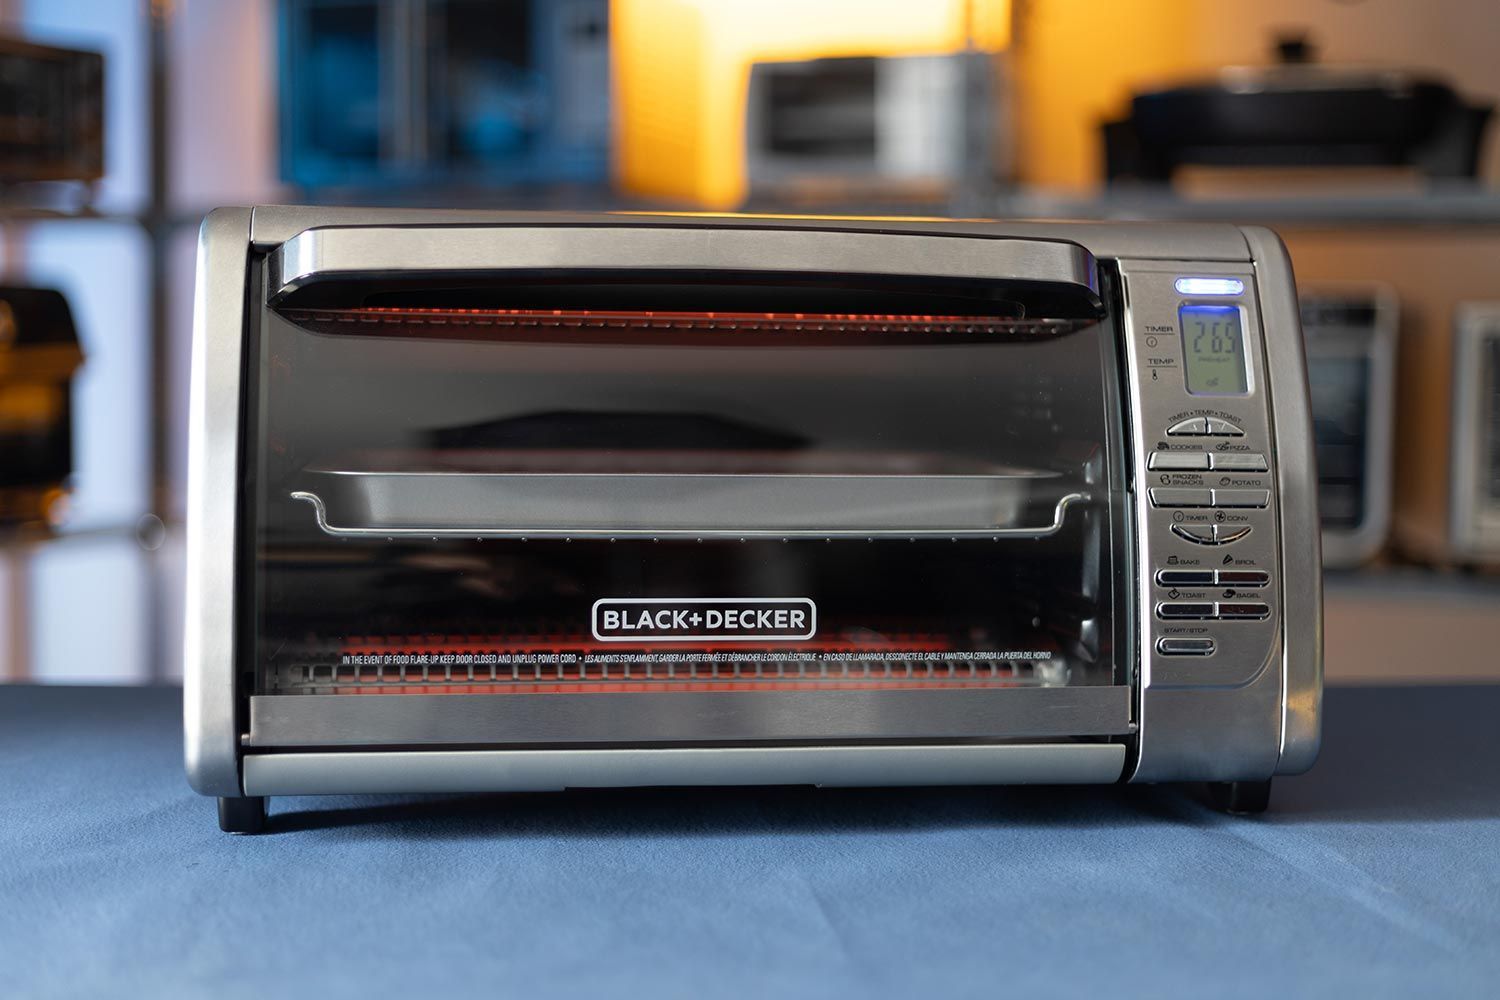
pixel 1249 609
pixel 1242 578
pixel 1223 428
pixel 1185 647
pixel 1181 461
pixel 1239 461
pixel 1193 426
pixel 1226 533
pixel 1185 577
pixel 1200 534
pixel 1162 496
pixel 1241 498
pixel 1185 609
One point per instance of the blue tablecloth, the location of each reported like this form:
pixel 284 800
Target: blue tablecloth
pixel 1376 874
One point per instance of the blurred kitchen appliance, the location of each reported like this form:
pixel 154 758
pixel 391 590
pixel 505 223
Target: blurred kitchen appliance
pixel 546 501
pixel 1298 114
pixel 429 93
pixel 39 354
pixel 1475 528
pixel 1351 371
pixel 51 113
pixel 886 128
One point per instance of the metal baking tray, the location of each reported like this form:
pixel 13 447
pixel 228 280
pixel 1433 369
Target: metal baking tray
pixel 653 494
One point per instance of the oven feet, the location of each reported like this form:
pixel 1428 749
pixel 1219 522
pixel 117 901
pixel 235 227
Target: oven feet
pixel 242 815
pixel 1240 797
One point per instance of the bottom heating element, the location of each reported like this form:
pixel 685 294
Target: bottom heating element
pixel 474 666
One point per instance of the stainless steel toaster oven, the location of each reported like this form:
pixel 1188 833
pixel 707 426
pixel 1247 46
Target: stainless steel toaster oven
pixel 489 502
pixel 1351 369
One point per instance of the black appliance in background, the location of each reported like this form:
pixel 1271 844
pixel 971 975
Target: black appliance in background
pixel 1298 113
pixel 425 94
pixel 51 113
pixel 39 354
pixel 1351 371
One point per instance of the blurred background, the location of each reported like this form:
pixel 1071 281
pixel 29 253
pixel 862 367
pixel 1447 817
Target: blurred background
pixel 1360 129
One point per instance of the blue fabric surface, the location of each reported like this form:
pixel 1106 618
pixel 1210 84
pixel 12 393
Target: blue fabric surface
pixel 1376 874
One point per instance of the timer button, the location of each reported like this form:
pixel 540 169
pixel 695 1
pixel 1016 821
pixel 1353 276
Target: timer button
pixel 1223 428
pixel 1179 461
pixel 1192 427
pixel 1198 534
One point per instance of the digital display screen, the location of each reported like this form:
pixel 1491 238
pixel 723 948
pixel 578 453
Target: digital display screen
pixel 1213 348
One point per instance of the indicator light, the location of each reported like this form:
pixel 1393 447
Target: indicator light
pixel 1210 286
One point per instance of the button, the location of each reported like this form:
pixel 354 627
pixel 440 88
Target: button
pixel 1248 609
pixel 1167 497
pixel 1193 426
pixel 1223 428
pixel 1184 609
pixel 1226 533
pixel 1185 647
pixel 1241 578
pixel 1241 498
pixel 1189 461
pixel 1199 534
pixel 1185 577
pixel 1240 461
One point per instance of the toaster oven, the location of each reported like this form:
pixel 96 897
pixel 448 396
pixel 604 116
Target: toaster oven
pixel 487 502
pixel 1475 527
pixel 1351 371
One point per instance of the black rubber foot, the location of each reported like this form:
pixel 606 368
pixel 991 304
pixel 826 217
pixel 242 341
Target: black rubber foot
pixel 1243 798
pixel 243 815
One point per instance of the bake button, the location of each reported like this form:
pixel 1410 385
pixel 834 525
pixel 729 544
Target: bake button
pixel 1223 428
pixel 1226 533
pixel 1185 647
pixel 1239 461
pixel 1242 578
pixel 1179 461
pixel 1241 498
pixel 1168 497
pixel 1185 577
pixel 1185 609
pixel 1248 609
pixel 1192 427
pixel 1199 534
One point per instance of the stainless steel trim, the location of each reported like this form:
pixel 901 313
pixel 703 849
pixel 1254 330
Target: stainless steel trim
pixel 1475 526
pixel 1297 489
pixel 321 254
pixel 1207 241
pixel 308 720
pixel 1059 514
pixel 210 736
pixel 553 770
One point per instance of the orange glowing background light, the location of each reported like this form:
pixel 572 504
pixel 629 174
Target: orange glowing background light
pixel 681 69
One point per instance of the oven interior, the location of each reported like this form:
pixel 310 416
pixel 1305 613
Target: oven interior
pixel 443 476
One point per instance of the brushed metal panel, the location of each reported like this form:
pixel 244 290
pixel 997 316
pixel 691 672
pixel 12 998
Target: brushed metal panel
pixel 553 770
pixel 686 717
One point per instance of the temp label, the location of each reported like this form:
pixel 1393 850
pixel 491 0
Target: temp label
pixel 701 619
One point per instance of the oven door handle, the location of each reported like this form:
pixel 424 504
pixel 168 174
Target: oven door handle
pixel 376 253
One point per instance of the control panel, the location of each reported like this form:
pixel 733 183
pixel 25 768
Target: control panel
pixel 1205 483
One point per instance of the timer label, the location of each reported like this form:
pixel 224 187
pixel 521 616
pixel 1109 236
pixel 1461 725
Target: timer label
pixel 704 619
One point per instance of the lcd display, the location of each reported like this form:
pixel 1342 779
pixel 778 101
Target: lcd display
pixel 1213 347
